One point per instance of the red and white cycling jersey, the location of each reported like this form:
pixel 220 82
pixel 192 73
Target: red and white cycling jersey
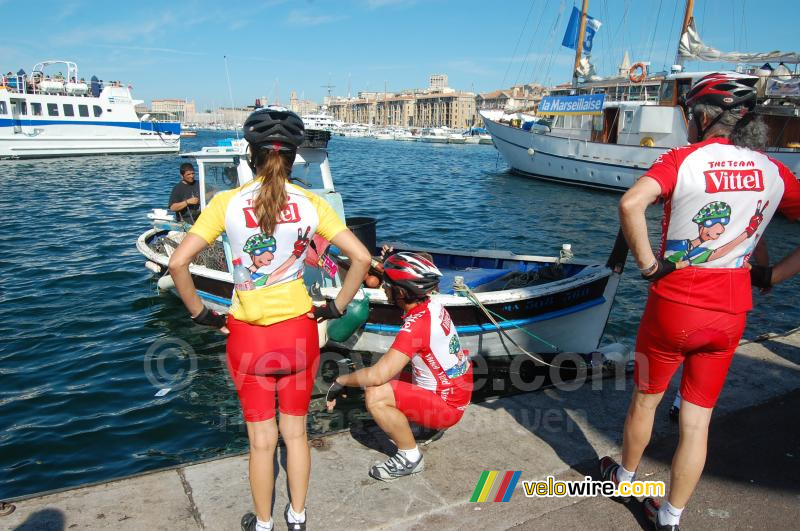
pixel 429 338
pixel 719 199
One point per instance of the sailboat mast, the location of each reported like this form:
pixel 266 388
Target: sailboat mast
pixel 687 19
pixel 579 44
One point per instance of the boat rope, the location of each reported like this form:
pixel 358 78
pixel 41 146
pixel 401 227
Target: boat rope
pixel 470 295
pixel 516 46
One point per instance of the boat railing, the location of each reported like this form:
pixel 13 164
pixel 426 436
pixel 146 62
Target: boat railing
pixel 55 86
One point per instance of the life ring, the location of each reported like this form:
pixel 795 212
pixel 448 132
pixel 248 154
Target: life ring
pixel 638 78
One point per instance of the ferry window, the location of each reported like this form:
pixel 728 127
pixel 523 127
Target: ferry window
pixel 83 110
pixel 3 108
pixel 627 120
pixel 52 109
pixel 69 110
pixel 36 109
pixel 97 111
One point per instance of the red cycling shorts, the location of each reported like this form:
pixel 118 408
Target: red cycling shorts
pixel 703 340
pixel 425 407
pixel 281 359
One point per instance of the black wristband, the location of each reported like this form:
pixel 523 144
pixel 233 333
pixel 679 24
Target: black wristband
pixel 209 318
pixel 329 310
pixel 761 276
pixel 663 268
pixel 334 391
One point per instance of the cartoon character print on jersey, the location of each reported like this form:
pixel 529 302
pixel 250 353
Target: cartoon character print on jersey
pixel 711 221
pixel 262 248
pixel 460 368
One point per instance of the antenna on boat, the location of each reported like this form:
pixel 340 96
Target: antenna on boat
pixel 230 91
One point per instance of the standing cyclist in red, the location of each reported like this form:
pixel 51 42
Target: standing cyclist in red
pixel 723 189
pixel 273 347
pixel 441 385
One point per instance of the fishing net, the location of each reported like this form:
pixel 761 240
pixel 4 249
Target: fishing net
pixel 212 257
pixel 541 275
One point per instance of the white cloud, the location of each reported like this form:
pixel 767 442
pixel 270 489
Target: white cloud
pixel 172 51
pixel 299 17
pixel 116 32
pixel 377 4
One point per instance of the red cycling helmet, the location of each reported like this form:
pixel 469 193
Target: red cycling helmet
pixel 726 90
pixel 412 272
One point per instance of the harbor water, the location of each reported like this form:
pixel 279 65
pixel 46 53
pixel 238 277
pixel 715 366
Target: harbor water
pixel 88 343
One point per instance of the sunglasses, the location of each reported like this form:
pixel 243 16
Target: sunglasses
pixel 711 222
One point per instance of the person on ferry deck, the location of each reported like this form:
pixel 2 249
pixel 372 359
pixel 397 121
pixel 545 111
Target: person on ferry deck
pixel 185 197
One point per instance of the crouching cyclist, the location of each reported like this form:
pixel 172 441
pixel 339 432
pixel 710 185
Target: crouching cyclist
pixel 441 385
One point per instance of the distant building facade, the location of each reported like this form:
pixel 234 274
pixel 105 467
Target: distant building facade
pixel 516 98
pixel 435 106
pixel 183 110
pixel 301 107
pixel 438 82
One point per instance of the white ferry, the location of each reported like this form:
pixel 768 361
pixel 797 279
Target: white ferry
pixel 43 115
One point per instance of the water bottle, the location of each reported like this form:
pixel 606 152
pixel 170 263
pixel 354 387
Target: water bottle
pixel 357 314
pixel 241 276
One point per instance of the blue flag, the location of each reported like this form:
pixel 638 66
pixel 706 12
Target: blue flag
pixel 571 35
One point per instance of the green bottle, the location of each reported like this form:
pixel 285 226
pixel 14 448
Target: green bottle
pixel 341 329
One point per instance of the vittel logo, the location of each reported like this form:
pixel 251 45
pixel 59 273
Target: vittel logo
pixel 749 180
pixel 290 214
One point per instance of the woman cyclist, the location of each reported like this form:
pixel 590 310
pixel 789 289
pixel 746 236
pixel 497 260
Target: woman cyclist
pixel 441 386
pixel 273 343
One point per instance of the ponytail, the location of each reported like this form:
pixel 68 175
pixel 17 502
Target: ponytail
pixel 273 170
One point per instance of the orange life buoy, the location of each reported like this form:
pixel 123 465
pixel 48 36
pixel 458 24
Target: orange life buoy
pixel 638 78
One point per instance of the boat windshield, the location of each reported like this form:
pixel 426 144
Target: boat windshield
pixel 309 174
pixel 219 176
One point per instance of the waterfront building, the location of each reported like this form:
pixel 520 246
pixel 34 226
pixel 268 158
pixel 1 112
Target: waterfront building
pixel 435 106
pixel 453 109
pixel 300 106
pixel 182 110
pixel 438 82
pixel 516 98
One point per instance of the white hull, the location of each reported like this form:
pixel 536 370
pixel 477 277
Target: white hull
pixel 434 139
pixel 494 344
pixel 35 123
pixel 45 145
pixel 582 162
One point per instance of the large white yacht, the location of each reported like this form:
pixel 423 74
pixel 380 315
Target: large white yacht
pixel 45 115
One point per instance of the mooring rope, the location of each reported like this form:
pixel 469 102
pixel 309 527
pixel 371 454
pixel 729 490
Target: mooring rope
pixel 470 295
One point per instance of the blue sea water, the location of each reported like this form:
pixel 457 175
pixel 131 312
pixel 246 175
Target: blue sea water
pixel 84 330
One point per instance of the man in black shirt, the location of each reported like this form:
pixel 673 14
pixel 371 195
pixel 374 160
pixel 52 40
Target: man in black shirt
pixel 185 197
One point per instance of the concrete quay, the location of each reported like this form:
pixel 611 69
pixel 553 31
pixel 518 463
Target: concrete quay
pixel 750 479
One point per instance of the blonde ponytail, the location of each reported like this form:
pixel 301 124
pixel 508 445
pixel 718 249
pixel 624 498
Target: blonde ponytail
pixel 271 199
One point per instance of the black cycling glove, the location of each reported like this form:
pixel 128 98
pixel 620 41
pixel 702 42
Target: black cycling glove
pixel 327 311
pixel 334 391
pixel 663 268
pixel 761 276
pixel 209 318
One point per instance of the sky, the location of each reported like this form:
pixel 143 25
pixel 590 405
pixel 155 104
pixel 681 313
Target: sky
pixel 178 49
